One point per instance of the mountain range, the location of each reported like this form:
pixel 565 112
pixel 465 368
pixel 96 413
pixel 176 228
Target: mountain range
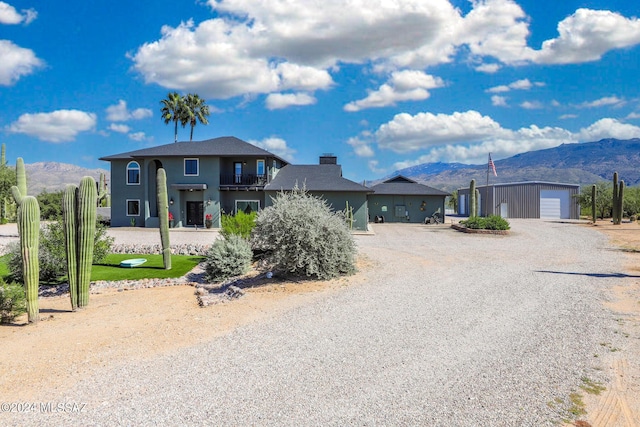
pixel 52 176
pixel 580 163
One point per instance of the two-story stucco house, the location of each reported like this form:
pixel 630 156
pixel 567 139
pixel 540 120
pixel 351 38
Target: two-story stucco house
pixel 220 175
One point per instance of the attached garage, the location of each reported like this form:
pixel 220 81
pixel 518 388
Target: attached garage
pixel 535 199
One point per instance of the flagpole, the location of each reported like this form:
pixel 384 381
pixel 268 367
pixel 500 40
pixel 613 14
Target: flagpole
pixel 486 194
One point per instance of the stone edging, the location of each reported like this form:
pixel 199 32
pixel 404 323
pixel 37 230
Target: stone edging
pixel 478 231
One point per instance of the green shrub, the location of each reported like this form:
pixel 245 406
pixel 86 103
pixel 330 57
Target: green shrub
pixel 240 224
pixel 227 257
pixel 300 235
pixel 52 254
pixel 13 302
pixel 492 222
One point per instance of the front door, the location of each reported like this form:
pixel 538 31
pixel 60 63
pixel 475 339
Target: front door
pixel 195 213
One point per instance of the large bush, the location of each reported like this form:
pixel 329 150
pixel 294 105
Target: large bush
pixel 240 224
pixel 13 302
pixel 300 235
pixel 52 254
pixel 227 257
pixel 492 222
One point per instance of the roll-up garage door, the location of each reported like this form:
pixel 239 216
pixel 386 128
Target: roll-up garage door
pixel 554 204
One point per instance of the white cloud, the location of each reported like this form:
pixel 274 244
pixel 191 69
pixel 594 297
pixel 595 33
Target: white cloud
pixel 587 35
pixel 568 116
pixel 488 68
pixel 373 167
pixel 633 115
pixel 9 15
pixel 139 136
pixel 499 101
pixel 277 101
pixel 609 128
pixel 407 85
pixel 406 133
pixel 276 146
pixel 497 28
pixel 16 62
pixel 119 128
pixel 257 47
pixel 603 102
pixel 57 126
pixel 274 45
pixel 362 145
pixel 524 84
pixel 532 105
pixel 120 113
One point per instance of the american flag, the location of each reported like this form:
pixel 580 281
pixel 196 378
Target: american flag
pixel 492 166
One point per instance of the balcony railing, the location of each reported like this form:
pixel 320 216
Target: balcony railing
pixel 247 180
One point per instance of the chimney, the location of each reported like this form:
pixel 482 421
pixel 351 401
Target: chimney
pixel 328 159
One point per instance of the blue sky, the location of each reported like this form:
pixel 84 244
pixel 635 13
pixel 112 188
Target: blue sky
pixel 381 84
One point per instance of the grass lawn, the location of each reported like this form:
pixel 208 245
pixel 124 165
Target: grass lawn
pixel 110 268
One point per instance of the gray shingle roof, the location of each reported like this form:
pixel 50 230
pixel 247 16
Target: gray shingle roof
pixel 401 185
pixel 220 147
pixel 314 178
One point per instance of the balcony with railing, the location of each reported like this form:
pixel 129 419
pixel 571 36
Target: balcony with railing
pixel 243 181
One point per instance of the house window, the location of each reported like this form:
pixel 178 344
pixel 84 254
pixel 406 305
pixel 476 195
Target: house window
pixel 133 207
pixel 191 167
pixel 237 173
pixel 260 167
pixel 133 173
pixel 247 206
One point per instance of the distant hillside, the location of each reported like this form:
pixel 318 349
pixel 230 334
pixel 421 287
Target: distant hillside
pixel 52 176
pixel 584 163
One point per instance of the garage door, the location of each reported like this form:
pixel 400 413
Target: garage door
pixel 554 204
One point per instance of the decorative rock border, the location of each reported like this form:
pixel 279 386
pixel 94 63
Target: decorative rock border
pixel 183 249
pixel 479 231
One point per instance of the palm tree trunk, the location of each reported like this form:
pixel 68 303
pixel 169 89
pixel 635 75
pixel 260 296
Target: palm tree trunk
pixel 175 137
pixel 191 136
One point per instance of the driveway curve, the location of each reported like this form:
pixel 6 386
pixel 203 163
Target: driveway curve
pixel 447 329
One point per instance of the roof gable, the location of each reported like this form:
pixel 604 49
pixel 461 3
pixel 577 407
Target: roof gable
pixel 401 185
pixel 325 177
pixel 400 178
pixel 219 147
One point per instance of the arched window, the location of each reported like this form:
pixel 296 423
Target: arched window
pixel 133 173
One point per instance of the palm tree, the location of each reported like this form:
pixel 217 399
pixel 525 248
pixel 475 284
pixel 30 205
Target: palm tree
pixel 195 110
pixel 173 111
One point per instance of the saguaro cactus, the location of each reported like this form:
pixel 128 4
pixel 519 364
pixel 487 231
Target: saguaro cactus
pixel 163 216
pixel 69 219
pixel 472 199
pixel 620 208
pixel 29 231
pixel 348 213
pixel 79 216
pixel 614 205
pixel 593 202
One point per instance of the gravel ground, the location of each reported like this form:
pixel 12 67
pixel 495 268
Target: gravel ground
pixel 449 329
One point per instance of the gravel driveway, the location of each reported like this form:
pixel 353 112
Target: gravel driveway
pixel 449 329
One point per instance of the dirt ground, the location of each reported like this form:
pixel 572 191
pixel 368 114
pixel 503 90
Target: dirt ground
pixel 133 325
pixel 65 346
pixel 619 404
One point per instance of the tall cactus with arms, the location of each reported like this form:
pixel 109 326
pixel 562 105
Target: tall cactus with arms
pixel 163 216
pixel 79 216
pixel 28 220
